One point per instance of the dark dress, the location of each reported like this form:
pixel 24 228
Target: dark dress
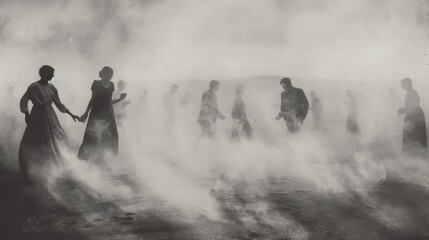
pixel 43 137
pixel 294 108
pixel 414 133
pixel 209 113
pixel 241 127
pixel 101 134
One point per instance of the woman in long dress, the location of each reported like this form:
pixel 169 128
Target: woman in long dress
pixel 43 137
pixel 101 134
pixel 241 127
pixel 414 133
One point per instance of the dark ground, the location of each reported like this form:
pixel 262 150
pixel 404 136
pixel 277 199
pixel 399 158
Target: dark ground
pixel 29 212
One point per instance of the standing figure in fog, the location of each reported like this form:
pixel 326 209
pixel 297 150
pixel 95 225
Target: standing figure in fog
pixel 44 137
pixel 352 113
pixel 241 126
pixel 143 96
pixel 101 134
pixel 414 133
pixel 120 108
pixel 170 101
pixel 294 106
pixel 317 110
pixel 209 112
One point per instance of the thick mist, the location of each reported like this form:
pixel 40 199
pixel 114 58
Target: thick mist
pixel 328 47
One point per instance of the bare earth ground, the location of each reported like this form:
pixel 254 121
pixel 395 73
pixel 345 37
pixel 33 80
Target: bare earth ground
pixel 29 212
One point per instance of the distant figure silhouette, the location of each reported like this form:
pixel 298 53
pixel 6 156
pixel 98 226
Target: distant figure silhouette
pixel 169 101
pixel 209 112
pixel 294 106
pixel 317 111
pixel 352 113
pixel 414 133
pixel 184 101
pixel 241 127
pixel 43 137
pixel 143 97
pixel 120 108
pixel 101 134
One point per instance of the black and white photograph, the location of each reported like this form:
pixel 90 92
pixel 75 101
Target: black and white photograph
pixel 214 119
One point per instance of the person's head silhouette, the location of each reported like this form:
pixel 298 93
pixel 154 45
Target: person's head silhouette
pixel 122 85
pixel 239 89
pixel 46 72
pixel 174 88
pixel 286 83
pixel 406 84
pixel 106 73
pixel 214 85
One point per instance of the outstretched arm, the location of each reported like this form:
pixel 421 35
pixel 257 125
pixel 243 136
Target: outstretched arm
pixel 122 97
pixel 61 106
pixel 88 108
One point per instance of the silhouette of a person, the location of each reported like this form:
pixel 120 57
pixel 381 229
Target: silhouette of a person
pixel 414 132
pixel 169 101
pixel 241 126
pixel 143 96
pixel 120 107
pixel 209 112
pixel 294 106
pixel 44 138
pixel 101 134
pixel 352 113
pixel 317 111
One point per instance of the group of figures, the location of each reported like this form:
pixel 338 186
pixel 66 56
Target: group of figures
pixel 294 107
pixel 44 138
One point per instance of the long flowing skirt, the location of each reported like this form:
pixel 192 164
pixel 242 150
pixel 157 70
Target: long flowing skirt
pixel 42 141
pixel 101 136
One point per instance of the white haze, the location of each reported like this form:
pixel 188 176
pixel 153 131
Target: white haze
pixel 329 47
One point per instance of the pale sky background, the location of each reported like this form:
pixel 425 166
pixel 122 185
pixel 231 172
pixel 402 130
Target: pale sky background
pixel 165 39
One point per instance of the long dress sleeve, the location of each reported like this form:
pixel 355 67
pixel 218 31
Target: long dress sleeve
pixel 24 100
pixel 58 102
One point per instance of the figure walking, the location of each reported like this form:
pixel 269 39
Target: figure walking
pixel 44 138
pixel 294 106
pixel 101 134
pixel 414 133
pixel 352 116
pixel 209 112
pixel 241 126
pixel 170 102
pixel 317 111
